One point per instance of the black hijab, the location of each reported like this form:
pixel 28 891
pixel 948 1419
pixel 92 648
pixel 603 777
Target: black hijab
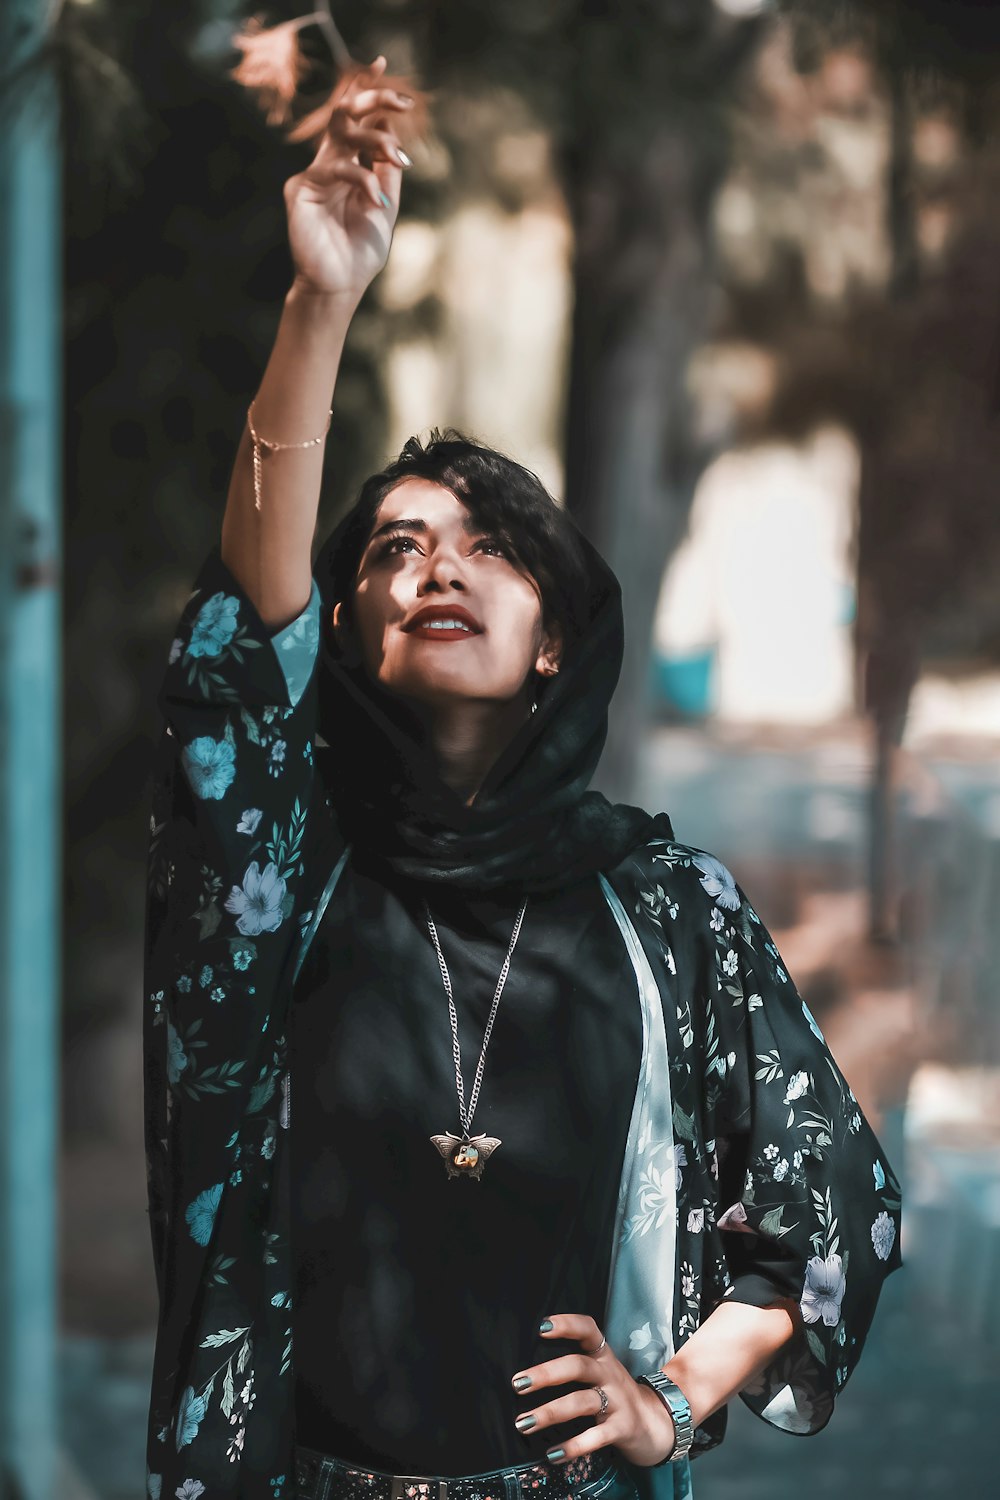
pixel 533 825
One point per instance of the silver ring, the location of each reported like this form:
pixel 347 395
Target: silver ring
pixel 599 1347
pixel 604 1401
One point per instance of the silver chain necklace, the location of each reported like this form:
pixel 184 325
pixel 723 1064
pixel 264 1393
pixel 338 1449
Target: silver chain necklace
pixel 465 1155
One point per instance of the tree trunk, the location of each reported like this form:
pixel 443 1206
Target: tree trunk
pixel 641 297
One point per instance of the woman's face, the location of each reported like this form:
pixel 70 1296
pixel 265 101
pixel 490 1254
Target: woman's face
pixel 441 613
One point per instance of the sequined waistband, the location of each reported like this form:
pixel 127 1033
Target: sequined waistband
pixel 322 1476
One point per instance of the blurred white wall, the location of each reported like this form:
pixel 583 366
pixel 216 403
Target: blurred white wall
pixel 765 578
pixel 497 371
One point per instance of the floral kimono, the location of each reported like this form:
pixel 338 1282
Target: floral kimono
pixel 744 1134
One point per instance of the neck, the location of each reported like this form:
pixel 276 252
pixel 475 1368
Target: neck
pixel 467 738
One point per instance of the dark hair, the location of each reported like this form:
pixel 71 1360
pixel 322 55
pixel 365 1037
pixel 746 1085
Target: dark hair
pixel 501 495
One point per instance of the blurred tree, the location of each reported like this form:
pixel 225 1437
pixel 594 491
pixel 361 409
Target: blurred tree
pixel 635 96
pixel 923 373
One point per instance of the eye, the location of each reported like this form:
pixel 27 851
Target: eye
pixel 494 546
pixel 394 545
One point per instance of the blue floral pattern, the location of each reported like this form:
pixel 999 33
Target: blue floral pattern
pixel 210 765
pixel 214 626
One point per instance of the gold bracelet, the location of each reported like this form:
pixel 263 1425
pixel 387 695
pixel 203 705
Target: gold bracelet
pixel 259 443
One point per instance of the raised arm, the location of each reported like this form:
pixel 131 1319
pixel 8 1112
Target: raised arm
pixel 341 211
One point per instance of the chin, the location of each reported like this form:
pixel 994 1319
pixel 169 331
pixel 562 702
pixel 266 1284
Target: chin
pixel 446 689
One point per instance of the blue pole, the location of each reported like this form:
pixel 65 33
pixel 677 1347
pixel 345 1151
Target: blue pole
pixel 30 761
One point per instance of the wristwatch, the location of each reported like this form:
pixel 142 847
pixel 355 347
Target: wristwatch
pixel 676 1403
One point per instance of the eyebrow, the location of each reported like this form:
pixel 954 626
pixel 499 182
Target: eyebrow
pixel 414 525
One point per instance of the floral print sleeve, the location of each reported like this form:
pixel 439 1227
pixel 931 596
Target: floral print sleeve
pixel 806 1194
pixel 232 794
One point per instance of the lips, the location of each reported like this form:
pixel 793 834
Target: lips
pixel 443 622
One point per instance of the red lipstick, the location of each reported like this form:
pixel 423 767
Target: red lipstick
pixel 423 623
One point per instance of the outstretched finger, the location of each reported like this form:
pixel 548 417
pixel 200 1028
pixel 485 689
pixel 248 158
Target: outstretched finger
pixel 363 94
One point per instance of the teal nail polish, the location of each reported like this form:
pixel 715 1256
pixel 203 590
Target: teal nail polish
pixel 385 198
pixel 545 1326
pixel 555 1453
pixel 524 1424
pixel 522 1382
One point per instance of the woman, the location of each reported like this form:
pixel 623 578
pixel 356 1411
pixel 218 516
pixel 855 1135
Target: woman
pixel 571 1164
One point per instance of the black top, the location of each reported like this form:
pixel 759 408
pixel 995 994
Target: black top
pixel 417 1297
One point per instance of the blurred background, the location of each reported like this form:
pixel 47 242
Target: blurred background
pixel 726 275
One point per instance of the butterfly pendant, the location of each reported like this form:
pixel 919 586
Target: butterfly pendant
pixel 465 1156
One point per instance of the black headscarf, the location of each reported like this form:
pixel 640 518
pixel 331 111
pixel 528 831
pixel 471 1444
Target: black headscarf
pixel 533 824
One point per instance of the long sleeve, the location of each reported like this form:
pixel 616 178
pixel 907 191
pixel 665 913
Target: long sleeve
pixel 808 1202
pixel 232 802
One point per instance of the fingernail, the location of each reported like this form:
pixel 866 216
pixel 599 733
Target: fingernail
pixel 523 1424
pixel 545 1326
pixel 555 1453
pixel 387 201
pixel 402 157
pixel 405 98
pixel 522 1382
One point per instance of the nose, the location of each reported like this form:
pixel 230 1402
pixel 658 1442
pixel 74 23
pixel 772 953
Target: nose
pixel 442 571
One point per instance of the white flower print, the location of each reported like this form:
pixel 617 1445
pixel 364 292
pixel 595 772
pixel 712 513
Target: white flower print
pixel 175 650
pixel 771 1152
pixel 780 1170
pixel 878 1175
pixel 733 1218
pixel 680 1160
pixel 249 821
pixel 717 880
pixel 653 1197
pixel 696 1220
pixel 823 1290
pixel 258 901
pixel 189 1490
pixel 883 1236
pixel 797 1085
pixel 716 921
pixel 730 964
pixel 639 1337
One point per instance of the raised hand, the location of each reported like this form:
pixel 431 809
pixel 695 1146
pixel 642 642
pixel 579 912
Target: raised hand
pixel 341 210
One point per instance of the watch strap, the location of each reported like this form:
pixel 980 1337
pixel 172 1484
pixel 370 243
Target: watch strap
pixel 677 1404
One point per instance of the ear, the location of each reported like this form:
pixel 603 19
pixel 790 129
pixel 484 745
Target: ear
pixel 550 654
pixel 344 637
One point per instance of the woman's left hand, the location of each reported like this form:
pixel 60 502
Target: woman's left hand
pixel 637 1422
